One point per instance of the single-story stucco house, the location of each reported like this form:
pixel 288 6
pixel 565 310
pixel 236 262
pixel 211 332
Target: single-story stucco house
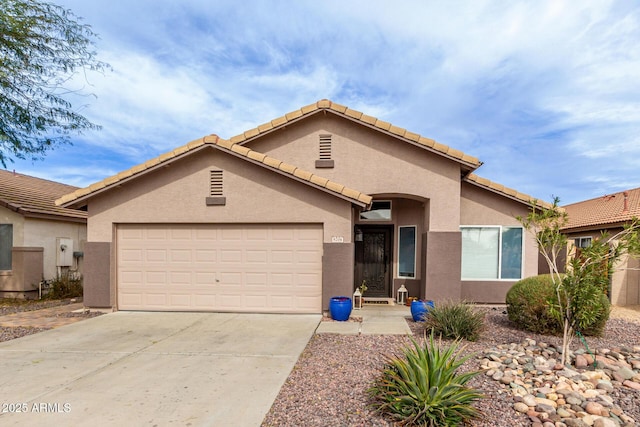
pixel 38 239
pixel 589 219
pixel 297 210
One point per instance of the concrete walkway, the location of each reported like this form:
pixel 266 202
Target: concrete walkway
pixel 376 320
pixel 49 318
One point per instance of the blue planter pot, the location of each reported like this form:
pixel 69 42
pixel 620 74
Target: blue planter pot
pixel 340 308
pixel 419 309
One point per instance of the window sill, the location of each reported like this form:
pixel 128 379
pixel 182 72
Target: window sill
pixel 6 272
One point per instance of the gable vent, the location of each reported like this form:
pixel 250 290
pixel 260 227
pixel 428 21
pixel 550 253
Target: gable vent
pixel 216 183
pixel 325 147
pixel 325 160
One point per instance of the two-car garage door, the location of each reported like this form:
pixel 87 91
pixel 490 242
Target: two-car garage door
pixel 220 267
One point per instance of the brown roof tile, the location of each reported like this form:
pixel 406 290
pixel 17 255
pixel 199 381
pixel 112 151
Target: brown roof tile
pixel 603 211
pixel 30 196
pixel 505 191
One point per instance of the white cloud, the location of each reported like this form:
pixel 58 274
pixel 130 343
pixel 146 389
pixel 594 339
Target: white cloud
pixel 508 81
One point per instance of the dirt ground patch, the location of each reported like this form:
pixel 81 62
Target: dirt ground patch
pixel 630 313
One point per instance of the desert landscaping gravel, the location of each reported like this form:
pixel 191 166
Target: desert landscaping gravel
pixel 327 387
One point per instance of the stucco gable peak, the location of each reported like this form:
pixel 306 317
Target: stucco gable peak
pixel 235 149
pixel 327 105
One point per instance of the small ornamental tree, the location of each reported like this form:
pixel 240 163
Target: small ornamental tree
pixel 581 288
pixel 43 46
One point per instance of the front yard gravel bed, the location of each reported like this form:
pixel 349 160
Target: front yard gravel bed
pixel 19 306
pixel 328 384
pixel 11 333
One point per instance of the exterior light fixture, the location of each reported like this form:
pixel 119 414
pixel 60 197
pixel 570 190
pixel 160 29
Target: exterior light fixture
pixel 357 299
pixel 402 295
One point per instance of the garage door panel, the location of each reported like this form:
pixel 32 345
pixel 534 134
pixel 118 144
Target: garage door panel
pixel 254 268
pixel 155 277
pixel 204 278
pixel 308 280
pixel 180 278
pixel 206 255
pixel 231 256
pixel 231 234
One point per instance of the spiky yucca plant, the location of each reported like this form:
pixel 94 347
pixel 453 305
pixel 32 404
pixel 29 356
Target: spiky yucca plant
pixel 424 388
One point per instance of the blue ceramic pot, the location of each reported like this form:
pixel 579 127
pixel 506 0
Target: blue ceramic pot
pixel 340 308
pixel 419 309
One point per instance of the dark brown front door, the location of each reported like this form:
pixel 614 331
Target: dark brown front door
pixel 373 260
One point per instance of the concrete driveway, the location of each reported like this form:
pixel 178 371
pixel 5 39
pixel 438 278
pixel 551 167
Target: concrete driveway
pixel 155 369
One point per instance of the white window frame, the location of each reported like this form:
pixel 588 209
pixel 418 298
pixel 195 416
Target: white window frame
pixel 415 251
pixel 377 219
pixel 580 239
pixel 499 279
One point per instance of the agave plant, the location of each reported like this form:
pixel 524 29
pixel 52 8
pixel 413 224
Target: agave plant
pixel 424 388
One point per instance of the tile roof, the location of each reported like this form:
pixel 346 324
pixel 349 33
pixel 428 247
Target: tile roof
pixel 608 210
pixel 357 116
pixel 505 191
pixel 232 148
pixel 35 197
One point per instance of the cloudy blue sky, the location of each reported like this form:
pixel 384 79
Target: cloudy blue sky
pixel 545 92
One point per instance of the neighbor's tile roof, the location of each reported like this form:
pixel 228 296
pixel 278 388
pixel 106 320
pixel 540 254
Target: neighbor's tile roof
pixel 232 148
pixel 357 116
pixel 604 211
pixel 505 191
pixel 30 196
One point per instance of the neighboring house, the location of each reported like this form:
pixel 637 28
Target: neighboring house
pixel 300 209
pixel 38 239
pixel 608 214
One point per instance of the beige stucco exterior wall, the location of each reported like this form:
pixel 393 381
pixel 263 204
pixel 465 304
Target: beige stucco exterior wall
pixel 43 233
pixel 372 162
pixel 253 194
pixel 482 207
pixel 625 282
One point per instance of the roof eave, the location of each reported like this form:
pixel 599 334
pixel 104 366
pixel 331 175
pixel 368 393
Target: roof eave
pixel 53 217
pixel 81 201
pixel 502 193
pixel 594 227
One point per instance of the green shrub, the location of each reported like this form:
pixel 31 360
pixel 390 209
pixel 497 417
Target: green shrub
pixel 529 303
pixel 600 313
pixel 457 320
pixel 424 388
pixel 65 286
